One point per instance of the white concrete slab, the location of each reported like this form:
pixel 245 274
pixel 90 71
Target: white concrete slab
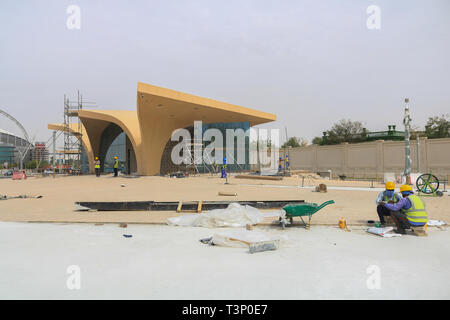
pixel 163 262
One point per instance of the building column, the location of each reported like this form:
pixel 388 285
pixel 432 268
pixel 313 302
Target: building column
pixel 379 158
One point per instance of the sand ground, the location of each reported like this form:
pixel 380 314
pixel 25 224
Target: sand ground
pixel 165 262
pixel 60 194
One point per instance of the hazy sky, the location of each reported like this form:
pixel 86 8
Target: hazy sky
pixel 311 63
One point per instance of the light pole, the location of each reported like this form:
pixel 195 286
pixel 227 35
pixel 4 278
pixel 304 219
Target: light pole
pixel 407 123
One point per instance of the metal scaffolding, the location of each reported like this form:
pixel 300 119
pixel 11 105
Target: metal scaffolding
pixel 73 132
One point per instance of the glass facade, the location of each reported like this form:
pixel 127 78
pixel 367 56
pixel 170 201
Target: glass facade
pixel 6 154
pixel 234 162
pixel 117 149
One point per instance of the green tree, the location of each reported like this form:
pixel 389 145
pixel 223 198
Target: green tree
pixel 438 127
pixel 317 140
pixel 345 131
pixel 295 142
pixel 30 165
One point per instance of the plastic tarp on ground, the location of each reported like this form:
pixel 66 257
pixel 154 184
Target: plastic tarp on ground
pixel 383 232
pixel 436 223
pixel 241 237
pixel 235 215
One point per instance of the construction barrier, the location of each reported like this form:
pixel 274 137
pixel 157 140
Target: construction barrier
pixel 19 175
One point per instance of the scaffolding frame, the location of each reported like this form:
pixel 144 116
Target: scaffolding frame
pixel 73 147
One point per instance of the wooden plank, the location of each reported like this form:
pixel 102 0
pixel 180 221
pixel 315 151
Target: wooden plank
pixel 255 177
pixel 180 204
pixel 199 207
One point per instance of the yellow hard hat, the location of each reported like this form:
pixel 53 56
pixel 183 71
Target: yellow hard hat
pixel 405 187
pixel 115 157
pixel 390 185
pixel 96 158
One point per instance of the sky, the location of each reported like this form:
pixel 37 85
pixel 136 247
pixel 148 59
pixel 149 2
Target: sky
pixel 311 63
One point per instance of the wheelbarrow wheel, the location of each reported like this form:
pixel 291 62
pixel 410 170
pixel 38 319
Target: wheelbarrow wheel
pixel 427 183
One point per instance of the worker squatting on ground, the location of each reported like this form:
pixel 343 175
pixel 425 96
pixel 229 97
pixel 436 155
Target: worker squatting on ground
pixel 409 211
pixel 386 196
pixel 97 167
pixel 116 166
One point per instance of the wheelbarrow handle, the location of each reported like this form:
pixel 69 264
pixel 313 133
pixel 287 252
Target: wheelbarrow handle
pixel 324 204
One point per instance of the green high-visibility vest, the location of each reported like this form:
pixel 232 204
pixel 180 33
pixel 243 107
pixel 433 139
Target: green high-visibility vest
pixel 417 212
pixel 116 164
pixel 394 198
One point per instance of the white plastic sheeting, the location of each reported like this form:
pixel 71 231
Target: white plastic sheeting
pixel 241 237
pixel 234 215
pixel 436 223
pixel 383 232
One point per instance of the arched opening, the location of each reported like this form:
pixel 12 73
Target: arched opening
pixel 114 142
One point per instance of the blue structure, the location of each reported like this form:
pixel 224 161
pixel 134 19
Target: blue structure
pixel 6 154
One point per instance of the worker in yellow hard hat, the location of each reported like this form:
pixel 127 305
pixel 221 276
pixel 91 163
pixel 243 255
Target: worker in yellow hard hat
pixel 116 166
pixel 409 211
pixel 386 196
pixel 97 166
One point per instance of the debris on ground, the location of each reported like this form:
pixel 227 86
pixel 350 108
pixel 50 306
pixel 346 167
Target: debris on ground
pixel 127 235
pixel 207 241
pixel 321 188
pixel 123 225
pixel 435 223
pixel 383 232
pixel 254 240
pixel 255 177
pixel 177 174
pixel 231 194
pixel 80 208
pixel 22 196
pixel 235 215
pixel 122 185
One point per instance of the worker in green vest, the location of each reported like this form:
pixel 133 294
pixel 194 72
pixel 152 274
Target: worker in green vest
pixel 116 166
pixel 409 211
pixel 97 167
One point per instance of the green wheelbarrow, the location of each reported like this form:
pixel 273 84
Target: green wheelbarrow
pixel 300 210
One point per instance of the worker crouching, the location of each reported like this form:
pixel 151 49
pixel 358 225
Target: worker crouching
pixel 386 196
pixel 409 212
